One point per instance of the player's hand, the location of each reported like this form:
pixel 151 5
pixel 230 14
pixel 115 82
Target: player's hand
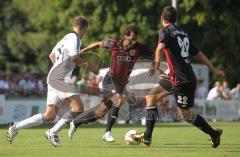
pixel 164 75
pixel 219 72
pixel 151 71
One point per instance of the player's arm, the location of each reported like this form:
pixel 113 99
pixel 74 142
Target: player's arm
pixel 92 46
pixel 159 49
pixel 52 57
pixel 162 44
pixel 102 44
pixel 78 60
pixel 200 56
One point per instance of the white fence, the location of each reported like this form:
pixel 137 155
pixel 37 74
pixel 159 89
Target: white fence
pixel 19 109
pixel 219 110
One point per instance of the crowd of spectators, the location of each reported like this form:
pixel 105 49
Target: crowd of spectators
pixel 222 91
pixel 29 84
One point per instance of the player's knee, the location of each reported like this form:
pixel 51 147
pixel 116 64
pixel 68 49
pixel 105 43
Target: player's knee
pixel 49 117
pixel 149 99
pixel 78 109
pixel 108 103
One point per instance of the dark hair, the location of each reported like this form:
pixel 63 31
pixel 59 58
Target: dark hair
pixel 80 21
pixel 169 13
pixel 130 29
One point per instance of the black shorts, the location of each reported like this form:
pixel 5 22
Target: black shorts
pixel 167 85
pixel 184 94
pixel 111 87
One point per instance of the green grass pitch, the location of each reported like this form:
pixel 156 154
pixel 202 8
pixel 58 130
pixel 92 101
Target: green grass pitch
pixel 169 140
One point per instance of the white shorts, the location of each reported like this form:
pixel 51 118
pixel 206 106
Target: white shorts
pixel 54 96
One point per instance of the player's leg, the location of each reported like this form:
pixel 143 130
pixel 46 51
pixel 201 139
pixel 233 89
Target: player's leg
pixel 184 96
pixel 77 108
pixel 110 85
pixel 113 112
pixel 154 96
pixel 112 117
pixel 198 121
pixel 91 116
pixel 35 120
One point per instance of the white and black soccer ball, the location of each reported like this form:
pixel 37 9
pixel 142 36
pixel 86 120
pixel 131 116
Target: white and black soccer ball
pixel 129 137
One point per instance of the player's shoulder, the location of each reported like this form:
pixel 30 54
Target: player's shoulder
pixel 71 35
pixel 165 31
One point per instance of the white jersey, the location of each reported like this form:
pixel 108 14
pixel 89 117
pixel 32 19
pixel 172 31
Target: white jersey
pixel 59 77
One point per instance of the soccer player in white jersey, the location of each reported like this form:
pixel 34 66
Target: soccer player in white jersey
pixel 65 57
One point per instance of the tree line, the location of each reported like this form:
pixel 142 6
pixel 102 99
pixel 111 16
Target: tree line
pixel 30 28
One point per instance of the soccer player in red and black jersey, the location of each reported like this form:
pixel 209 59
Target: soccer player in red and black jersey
pixel 178 50
pixel 125 53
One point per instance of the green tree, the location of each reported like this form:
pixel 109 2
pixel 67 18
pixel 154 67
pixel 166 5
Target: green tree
pixel 30 28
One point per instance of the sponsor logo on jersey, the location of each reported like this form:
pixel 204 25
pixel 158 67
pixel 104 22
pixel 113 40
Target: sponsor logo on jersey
pixel 123 58
pixel 132 52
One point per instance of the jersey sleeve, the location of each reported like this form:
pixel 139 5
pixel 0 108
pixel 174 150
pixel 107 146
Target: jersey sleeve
pixel 163 37
pixel 193 50
pixel 108 44
pixel 73 44
pixel 54 50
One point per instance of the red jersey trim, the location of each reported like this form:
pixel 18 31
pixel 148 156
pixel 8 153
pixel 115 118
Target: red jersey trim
pixel 170 65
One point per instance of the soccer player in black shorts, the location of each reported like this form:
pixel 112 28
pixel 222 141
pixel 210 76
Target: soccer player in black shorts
pixel 178 48
pixel 125 53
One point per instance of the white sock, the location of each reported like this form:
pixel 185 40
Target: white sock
pixel 30 122
pixel 58 126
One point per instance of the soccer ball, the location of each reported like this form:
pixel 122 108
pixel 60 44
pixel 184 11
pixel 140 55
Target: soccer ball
pixel 129 139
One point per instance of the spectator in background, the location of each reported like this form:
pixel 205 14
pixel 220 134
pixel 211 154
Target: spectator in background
pixel 93 87
pixel 4 85
pixel 25 85
pixel 83 84
pixel 37 84
pixel 235 92
pixel 225 91
pixel 75 79
pixel 13 85
pixel 201 92
pixel 215 93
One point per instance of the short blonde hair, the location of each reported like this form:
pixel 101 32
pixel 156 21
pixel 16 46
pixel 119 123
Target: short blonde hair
pixel 80 21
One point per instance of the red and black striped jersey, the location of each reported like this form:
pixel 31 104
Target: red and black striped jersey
pixel 178 51
pixel 123 60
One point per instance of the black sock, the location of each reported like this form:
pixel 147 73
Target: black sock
pixel 202 124
pixel 152 114
pixel 112 117
pixel 89 117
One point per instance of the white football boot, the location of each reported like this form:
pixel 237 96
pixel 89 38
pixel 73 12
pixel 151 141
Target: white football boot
pixel 108 137
pixel 12 132
pixel 54 139
pixel 72 130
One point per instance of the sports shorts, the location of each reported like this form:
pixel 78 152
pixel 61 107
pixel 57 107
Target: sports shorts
pixel 111 87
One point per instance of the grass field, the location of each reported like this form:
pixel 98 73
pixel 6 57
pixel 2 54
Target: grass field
pixel 170 140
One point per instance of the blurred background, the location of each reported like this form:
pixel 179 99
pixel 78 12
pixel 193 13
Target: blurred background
pixel 30 28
